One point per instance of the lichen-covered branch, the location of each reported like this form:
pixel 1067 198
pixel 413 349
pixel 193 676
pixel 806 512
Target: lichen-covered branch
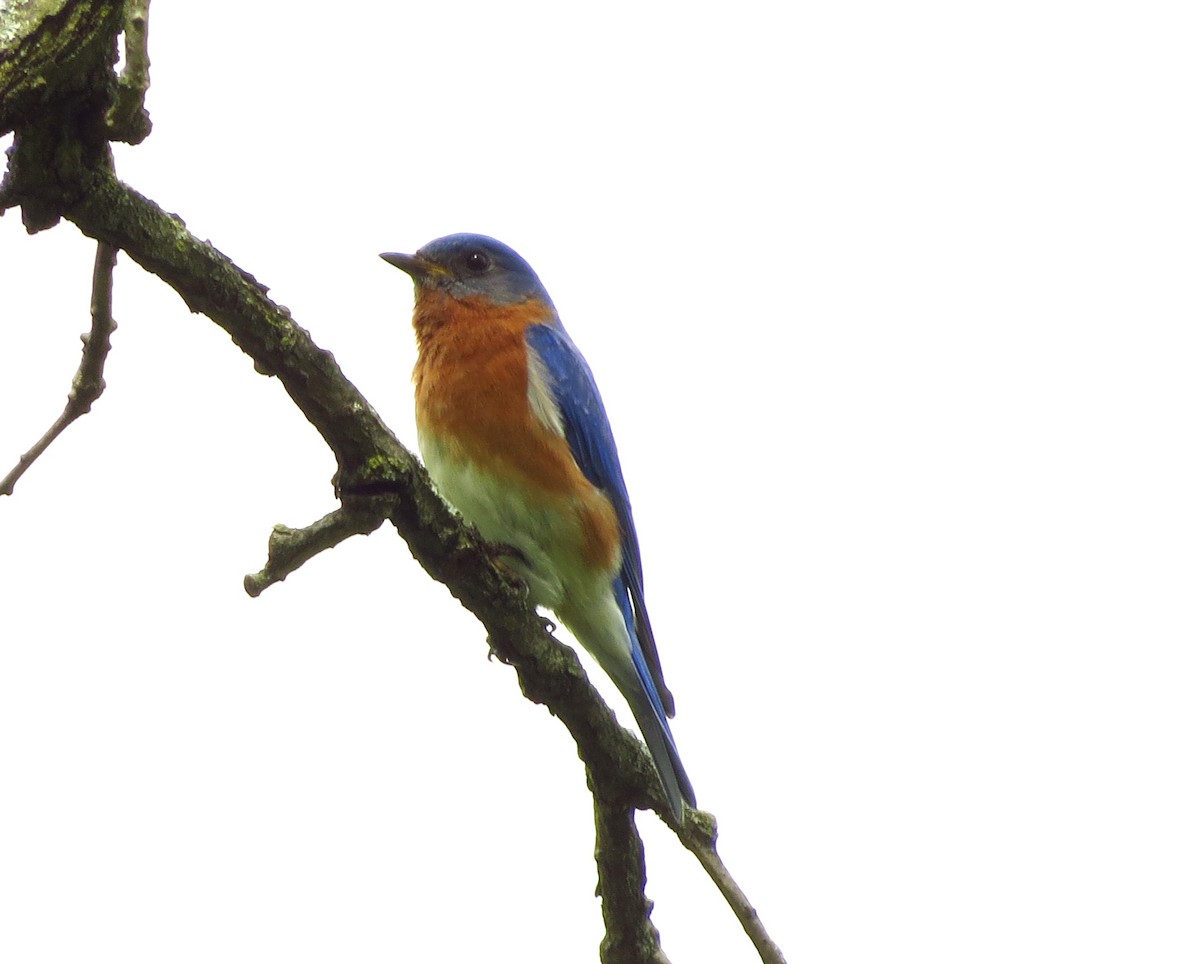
pixel 49 49
pixel 372 462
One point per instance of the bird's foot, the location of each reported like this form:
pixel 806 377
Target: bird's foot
pixel 508 561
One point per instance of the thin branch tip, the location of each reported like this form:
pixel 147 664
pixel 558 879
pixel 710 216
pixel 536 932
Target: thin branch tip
pixel 87 384
pixel 700 837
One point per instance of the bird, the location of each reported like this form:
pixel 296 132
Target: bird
pixel 514 434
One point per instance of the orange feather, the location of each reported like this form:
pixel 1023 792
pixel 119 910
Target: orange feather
pixel 472 394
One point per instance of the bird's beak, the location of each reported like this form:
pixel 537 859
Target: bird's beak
pixel 420 270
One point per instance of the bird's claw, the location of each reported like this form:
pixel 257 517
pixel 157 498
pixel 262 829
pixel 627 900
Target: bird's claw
pixel 500 556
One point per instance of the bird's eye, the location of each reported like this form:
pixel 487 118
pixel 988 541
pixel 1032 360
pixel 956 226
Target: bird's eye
pixel 477 262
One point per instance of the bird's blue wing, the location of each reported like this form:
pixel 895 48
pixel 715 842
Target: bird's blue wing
pixel 590 438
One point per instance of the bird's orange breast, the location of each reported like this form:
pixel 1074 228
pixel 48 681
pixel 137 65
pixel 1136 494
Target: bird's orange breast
pixel 472 395
pixel 472 383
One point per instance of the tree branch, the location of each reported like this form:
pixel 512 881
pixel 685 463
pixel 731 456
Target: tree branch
pixel 700 837
pixel 629 936
pixel 61 166
pixel 371 461
pixel 50 49
pixel 127 118
pixel 288 549
pixel 88 383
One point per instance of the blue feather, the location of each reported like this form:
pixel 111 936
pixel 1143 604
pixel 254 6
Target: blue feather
pixel 590 438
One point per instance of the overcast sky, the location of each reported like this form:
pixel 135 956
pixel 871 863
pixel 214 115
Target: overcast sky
pixel 894 309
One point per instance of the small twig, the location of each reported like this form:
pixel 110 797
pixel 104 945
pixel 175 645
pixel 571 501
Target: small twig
pixel 629 936
pixel 700 837
pixel 88 383
pixel 288 549
pixel 127 118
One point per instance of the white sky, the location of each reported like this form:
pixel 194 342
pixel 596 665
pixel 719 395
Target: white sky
pixel 894 307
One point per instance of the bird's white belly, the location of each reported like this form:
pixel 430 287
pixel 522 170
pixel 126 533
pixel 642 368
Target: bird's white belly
pixel 543 531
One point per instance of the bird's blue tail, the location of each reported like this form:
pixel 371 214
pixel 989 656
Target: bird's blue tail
pixel 651 718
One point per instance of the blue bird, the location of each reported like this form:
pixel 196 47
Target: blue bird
pixel 514 434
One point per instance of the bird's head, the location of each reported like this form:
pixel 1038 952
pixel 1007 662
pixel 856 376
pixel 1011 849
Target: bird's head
pixel 471 265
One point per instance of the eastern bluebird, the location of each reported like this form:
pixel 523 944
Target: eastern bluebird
pixel 513 432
